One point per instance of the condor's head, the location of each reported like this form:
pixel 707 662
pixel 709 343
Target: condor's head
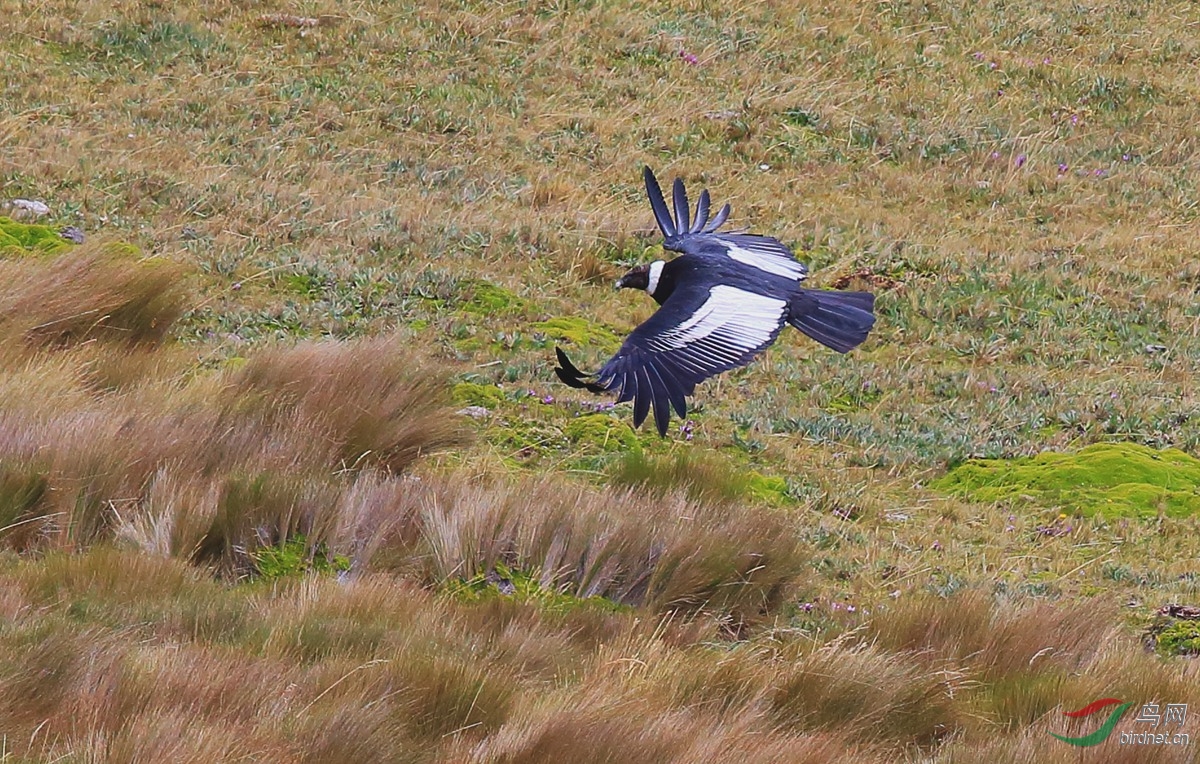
pixel 647 277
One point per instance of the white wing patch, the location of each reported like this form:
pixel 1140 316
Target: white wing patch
pixel 766 259
pixel 735 320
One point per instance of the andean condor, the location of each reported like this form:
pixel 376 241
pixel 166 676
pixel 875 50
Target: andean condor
pixel 723 301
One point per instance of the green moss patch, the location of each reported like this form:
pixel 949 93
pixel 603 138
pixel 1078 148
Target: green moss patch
pixel 767 488
pixel 295 557
pixel 523 586
pixel 1106 479
pixel 484 298
pixel 579 331
pixel 474 394
pixel 22 238
pixel 522 440
pixel 1179 638
pixel 600 433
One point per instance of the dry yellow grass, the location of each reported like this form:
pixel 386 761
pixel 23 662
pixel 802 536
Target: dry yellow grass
pixel 341 219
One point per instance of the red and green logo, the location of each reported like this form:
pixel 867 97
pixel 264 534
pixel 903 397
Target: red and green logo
pixel 1100 735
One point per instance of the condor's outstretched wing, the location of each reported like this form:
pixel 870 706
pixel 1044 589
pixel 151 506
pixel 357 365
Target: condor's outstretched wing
pixel 699 332
pixel 700 237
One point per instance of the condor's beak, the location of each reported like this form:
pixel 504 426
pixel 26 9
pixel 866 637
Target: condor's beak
pixel 620 284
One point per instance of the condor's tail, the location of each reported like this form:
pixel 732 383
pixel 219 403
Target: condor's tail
pixel 838 320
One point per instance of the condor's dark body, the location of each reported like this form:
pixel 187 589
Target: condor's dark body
pixel 723 301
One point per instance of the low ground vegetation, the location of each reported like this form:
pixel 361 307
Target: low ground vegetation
pixel 284 474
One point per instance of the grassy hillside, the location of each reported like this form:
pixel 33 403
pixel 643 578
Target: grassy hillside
pixel 285 474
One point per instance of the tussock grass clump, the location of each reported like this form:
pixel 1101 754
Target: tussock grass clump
pixel 374 405
pixel 191 475
pixel 104 434
pixel 94 292
pixel 872 694
pixel 1017 663
pixel 598 730
pixel 427 678
pixel 669 553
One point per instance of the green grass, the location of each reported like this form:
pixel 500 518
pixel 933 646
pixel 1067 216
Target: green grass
pixel 310 244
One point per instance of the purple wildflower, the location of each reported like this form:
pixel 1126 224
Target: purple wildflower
pixel 1056 528
pixel 548 399
pixel 686 428
pixel 1020 160
pixel 689 58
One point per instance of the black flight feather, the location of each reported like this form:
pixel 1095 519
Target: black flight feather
pixel 682 213
pixel 719 220
pixel 658 204
pixel 701 212
pixel 572 376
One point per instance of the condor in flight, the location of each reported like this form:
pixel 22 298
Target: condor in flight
pixel 722 302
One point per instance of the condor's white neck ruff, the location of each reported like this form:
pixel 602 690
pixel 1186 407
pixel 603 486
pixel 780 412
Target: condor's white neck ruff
pixel 655 272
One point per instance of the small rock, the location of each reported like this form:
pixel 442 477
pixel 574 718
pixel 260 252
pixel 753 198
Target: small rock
pixel 1186 612
pixel 31 207
pixel 1156 348
pixel 475 412
pixel 72 233
pixel 505 585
